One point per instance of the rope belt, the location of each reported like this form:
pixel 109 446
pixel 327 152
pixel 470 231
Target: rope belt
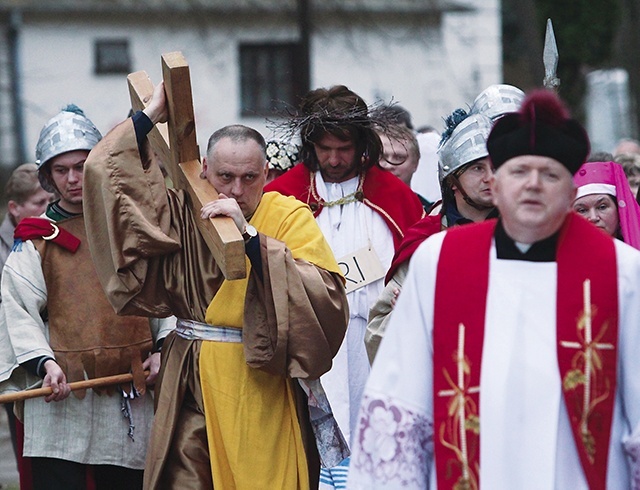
pixel 193 330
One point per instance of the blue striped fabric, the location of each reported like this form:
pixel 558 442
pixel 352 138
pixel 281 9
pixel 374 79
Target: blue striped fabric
pixel 335 477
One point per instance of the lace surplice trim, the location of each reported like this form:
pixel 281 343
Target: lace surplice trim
pixel 396 443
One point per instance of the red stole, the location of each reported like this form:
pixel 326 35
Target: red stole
pixel 587 338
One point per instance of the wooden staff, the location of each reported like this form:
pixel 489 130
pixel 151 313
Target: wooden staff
pixel 76 385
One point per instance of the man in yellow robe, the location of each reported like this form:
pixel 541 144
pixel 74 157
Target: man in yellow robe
pixel 230 413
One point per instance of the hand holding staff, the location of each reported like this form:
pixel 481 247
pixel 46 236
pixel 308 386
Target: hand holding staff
pixel 77 385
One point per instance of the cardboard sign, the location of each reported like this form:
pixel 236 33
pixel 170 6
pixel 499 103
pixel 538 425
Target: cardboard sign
pixel 361 268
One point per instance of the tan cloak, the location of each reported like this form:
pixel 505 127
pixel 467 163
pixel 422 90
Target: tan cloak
pixel 151 260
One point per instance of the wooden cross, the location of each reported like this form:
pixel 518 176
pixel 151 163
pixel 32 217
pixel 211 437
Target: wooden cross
pixel 588 346
pixel 460 392
pixel 175 144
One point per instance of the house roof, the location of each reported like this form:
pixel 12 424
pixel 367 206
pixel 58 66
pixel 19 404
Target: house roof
pixel 185 6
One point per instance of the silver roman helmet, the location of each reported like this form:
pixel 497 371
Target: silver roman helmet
pixel 466 143
pixel 497 100
pixel 69 130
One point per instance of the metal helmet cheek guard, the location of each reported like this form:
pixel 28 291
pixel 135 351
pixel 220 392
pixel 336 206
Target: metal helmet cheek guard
pixel 466 144
pixel 497 100
pixel 69 130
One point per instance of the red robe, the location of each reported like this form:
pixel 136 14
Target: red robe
pixel 418 233
pixel 587 297
pixel 383 192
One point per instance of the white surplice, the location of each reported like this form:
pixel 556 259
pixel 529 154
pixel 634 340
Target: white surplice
pixel 526 438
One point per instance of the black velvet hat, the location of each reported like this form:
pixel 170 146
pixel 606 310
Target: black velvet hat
pixel 542 127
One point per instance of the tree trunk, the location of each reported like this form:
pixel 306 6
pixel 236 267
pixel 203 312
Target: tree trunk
pixel 522 44
pixel 627 55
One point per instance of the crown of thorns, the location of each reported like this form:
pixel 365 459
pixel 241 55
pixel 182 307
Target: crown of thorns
pixel 377 116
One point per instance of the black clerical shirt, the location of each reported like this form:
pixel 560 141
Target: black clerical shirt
pixel 542 251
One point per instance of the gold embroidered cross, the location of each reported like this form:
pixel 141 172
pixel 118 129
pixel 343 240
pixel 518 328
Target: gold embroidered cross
pixel 589 348
pixel 460 392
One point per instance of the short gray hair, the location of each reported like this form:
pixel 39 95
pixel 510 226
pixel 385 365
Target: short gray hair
pixel 237 133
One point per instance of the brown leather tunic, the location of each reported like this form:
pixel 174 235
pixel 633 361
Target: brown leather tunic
pixel 86 335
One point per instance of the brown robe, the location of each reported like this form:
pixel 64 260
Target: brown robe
pixel 152 260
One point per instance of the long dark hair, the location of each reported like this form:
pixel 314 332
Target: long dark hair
pixel 344 114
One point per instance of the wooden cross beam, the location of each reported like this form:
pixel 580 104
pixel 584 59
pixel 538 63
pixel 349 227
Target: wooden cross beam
pixel 175 144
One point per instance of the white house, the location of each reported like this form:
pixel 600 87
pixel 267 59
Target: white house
pixel 430 56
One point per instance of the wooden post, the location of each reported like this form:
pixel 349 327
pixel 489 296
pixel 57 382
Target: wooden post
pixel 176 145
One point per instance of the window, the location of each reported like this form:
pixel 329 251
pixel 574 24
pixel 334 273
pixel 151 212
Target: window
pixel 268 78
pixel 112 56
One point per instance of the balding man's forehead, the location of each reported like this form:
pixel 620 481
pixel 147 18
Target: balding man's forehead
pixel 534 161
pixel 236 145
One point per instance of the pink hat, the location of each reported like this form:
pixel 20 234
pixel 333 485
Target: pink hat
pixel 609 178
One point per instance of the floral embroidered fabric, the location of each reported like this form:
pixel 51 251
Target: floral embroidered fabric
pixel 397 443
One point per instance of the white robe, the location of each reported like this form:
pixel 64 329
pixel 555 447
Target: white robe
pixel 526 439
pixel 348 228
pixel 425 179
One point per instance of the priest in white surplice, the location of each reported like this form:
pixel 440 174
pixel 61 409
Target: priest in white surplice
pixel 512 363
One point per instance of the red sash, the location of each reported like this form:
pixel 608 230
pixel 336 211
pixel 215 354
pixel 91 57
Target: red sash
pixel 32 228
pixel 587 336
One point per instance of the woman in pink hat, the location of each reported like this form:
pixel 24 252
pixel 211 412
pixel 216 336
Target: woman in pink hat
pixel 604 198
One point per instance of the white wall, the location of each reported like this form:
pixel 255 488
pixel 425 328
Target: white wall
pixel 387 62
pixel 58 69
pixel 472 59
pixel 607 108
pixel 428 69
pixel 404 60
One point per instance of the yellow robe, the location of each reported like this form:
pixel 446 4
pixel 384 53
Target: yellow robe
pixel 231 389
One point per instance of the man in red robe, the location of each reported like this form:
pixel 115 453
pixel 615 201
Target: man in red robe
pixel 363 212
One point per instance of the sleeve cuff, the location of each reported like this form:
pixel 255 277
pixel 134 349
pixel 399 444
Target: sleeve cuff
pixel 252 249
pixel 35 366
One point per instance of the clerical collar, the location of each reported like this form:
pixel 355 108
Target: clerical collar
pixel 542 251
pixel 56 213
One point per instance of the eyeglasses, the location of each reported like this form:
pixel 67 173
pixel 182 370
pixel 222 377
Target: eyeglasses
pixel 395 159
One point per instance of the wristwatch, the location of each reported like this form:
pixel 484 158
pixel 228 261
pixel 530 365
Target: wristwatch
pixel 249 232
